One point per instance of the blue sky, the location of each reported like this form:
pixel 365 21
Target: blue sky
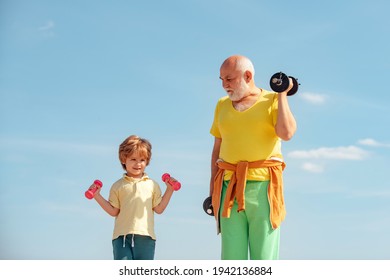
pixel 78 77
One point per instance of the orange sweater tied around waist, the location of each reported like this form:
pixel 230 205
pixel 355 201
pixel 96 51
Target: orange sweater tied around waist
pixel 236 188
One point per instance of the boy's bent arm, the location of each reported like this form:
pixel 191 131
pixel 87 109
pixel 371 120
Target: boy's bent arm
pixel 106 205
pixel 159 209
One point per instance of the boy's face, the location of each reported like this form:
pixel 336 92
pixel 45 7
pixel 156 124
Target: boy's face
pixel 135 165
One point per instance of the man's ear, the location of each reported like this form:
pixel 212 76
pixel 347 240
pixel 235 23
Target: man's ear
pixel 248 76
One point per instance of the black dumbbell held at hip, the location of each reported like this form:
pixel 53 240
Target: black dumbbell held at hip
pixel 280 82
pixel 208 206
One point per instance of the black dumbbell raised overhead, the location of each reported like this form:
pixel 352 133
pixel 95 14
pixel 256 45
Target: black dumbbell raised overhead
pixel 279 82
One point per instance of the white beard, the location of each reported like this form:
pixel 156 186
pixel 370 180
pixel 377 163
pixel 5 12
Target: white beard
pixel 240 92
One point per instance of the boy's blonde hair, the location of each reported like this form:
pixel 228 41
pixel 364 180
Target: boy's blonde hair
pixel 135 145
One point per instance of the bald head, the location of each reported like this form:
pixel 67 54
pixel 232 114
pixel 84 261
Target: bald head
pixel 239 63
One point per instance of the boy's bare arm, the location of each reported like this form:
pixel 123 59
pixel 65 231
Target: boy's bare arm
pixel 106 205
pixel 111 210
pixel 159 209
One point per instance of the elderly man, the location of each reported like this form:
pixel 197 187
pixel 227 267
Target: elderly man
pixel 246 163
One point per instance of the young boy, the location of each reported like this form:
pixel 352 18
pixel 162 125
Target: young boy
pixel 132 201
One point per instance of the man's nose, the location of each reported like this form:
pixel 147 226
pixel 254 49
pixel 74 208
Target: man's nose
pixel 225 84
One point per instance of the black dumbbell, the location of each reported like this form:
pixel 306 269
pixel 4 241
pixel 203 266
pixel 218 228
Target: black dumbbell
pixel 280 82
pixel 208 206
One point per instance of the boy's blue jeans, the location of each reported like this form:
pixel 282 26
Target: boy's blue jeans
pixel 133 247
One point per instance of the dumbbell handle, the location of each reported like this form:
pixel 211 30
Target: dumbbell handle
pixel 91 192
pixel 171 181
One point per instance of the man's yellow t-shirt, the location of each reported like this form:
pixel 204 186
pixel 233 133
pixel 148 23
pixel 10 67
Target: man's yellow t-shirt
pixel 249 135
pixel 136 199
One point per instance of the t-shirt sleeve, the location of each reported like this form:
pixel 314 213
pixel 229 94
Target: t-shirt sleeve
pixel 114 197
pixel 157 194
pixel 215 126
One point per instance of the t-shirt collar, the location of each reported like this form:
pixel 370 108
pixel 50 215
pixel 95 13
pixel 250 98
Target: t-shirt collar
pixel 131 179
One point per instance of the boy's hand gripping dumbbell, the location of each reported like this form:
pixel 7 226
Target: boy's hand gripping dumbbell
pixel 171 181
pixel 90 193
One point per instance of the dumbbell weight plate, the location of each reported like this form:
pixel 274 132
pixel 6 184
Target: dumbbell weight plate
pixel 208 207
pixel 279 82
pixel 294 88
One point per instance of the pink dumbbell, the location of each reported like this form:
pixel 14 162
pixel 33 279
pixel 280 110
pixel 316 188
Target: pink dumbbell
pixel 91 193
pixel 168 179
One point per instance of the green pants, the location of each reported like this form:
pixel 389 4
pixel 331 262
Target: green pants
pixel 249 231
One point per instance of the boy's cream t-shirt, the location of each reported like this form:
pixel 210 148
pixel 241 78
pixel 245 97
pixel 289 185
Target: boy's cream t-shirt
pixel 136 199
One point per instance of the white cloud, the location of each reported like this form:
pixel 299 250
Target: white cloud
pixel 345 153
pixel 49 25
pixel 372 143
pixel 312 167
pixel 313 98
pixel 47 29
